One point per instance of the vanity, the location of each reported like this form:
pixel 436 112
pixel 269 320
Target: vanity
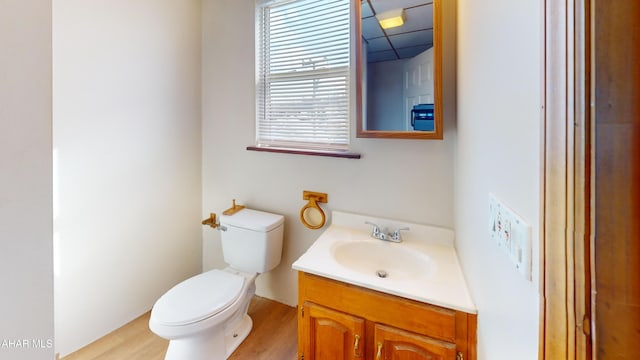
pixel 366 298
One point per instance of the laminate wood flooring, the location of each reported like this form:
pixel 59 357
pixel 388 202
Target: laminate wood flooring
pixel 273 337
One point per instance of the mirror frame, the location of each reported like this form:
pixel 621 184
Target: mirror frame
pixel 437 79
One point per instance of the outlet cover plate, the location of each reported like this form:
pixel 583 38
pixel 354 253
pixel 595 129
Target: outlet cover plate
pixel 511 233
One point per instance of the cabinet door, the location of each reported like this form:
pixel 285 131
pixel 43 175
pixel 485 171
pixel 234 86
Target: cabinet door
pixel 330 334
pixel 396 344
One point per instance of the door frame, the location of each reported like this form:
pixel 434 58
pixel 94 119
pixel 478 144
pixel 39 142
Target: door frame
pixel 566 261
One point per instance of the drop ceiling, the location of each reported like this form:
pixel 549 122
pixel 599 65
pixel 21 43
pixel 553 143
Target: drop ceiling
pixel 406 41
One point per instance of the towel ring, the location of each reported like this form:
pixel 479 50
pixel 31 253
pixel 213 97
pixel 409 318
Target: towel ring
pixel 311 215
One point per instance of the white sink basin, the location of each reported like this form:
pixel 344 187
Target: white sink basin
pixel 382 259
pixel 423 267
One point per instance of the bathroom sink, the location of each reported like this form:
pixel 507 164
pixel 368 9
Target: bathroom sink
pixel 382 259
pixel 423 267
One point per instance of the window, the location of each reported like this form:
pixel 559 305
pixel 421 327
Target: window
pixel 303 72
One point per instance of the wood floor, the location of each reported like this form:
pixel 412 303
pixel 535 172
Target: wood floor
pixel 274 336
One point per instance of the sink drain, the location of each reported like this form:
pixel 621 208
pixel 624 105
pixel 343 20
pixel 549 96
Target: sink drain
pixel 382 274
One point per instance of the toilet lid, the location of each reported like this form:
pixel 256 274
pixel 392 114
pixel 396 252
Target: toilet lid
pixel 197 298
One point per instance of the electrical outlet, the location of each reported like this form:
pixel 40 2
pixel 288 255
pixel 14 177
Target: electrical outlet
pixel 512 235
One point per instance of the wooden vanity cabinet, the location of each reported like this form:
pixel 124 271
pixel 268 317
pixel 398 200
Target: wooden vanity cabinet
pixel 339 321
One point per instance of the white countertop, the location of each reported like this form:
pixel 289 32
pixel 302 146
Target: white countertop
pixel 442 285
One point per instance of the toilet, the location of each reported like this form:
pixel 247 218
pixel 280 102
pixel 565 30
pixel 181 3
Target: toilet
pixel 205 317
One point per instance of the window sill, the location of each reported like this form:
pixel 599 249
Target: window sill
pixel 339 154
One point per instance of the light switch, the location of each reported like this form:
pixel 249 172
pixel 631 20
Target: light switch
pixel 512 235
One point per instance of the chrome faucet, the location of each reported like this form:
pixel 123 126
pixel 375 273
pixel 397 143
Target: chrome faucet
pixel 384 235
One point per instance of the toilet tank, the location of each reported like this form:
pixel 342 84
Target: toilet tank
pixel 252 240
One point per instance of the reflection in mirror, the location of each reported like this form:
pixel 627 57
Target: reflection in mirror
pixel 399 69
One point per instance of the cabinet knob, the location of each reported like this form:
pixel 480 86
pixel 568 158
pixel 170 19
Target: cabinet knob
pixel 355 346
pixel 379 353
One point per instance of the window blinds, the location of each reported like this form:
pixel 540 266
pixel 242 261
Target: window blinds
pixel 303 74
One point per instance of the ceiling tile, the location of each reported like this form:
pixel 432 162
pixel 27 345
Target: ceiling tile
pixel 406 53
pixel 378 44
pixel 381 56
pixel 384 5
pixel 371 29
pixel 366 9
pixel 423 37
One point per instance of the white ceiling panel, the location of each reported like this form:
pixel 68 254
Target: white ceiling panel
pixel 415 36
pixel 378 44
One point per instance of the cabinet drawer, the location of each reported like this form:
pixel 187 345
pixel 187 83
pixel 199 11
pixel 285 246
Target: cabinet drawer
pixel 425 319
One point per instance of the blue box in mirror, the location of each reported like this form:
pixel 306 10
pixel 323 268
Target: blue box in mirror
pixel 422 117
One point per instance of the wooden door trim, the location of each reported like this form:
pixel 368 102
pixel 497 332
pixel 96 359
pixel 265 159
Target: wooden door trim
pixel 565 259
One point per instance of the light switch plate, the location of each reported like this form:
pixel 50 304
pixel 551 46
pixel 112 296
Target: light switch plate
pixel 511 233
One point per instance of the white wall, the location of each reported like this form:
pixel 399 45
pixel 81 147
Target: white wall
pixel 499 150
pixel 26 298
pixel 405 179
pixel 126 159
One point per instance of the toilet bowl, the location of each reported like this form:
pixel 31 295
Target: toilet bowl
pixel 193 314
pixel 205 317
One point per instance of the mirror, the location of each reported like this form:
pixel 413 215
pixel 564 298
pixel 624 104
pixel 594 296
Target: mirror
pixel 399 70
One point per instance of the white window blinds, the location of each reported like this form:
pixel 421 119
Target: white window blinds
pixel 303 74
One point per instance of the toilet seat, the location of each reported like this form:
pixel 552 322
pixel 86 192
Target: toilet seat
pixel 198 298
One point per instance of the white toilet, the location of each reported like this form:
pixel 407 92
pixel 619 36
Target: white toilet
pixel 205 317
